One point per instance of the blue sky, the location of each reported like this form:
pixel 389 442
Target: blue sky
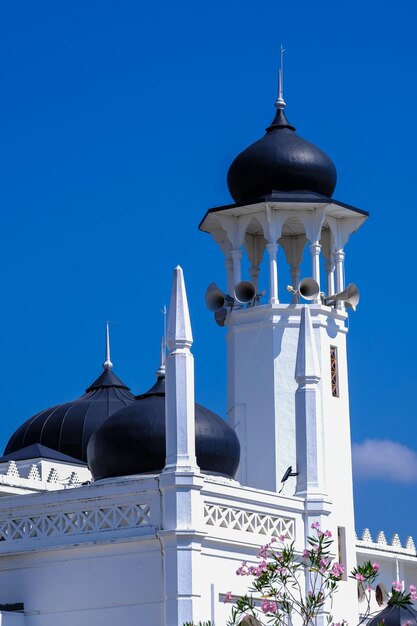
pixel 118 122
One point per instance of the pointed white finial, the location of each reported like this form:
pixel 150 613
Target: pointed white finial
pixel 179 325
pixel 280 102
pixel 307 363
pixel 179 396
pixel 107 363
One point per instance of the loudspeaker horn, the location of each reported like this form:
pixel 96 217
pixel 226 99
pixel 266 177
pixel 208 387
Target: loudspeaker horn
pixel 245 291
pixel 308 288
pixel 216 299
pixel 350 296
pixel 220 316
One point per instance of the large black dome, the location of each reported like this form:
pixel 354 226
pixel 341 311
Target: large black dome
pixel 67 427
pixel 132 441
pixel 280 161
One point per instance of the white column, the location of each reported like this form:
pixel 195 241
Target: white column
pixel 273 272
pixel 229 275
pixel 339 258
pixel 254 274
pixel 179 398
pixel 315 250
pixel 308 413
pixel 295 279
pixel 237 272
pixel 330 278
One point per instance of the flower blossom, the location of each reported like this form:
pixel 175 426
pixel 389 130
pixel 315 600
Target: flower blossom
pixel 375 567
pixel 360 577
pixel 316 525
pixel 268 607
pixel 228 597
pixel 337 570
pixel 397 585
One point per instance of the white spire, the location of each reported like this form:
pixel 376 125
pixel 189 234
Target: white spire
pixel 308 415
pixel 179 397
pixel 107 363
pixel 179 325
pixel 280 102
pixel 307 364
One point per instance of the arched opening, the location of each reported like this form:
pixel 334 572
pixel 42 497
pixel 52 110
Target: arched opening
pixel 292 244
pixel 255 244
pixel 381 595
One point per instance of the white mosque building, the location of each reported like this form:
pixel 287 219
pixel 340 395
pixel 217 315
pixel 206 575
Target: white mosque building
pixel 123 510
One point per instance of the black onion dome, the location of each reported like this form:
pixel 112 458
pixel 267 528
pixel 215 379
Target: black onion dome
pixel 280 161
pixel 395 616
pixel 67 427
pixel 132 441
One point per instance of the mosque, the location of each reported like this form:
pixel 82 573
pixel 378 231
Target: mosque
pixel 137 510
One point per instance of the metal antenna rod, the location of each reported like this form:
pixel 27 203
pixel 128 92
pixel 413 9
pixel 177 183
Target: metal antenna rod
pixel 107 363
pixel 161 369
pixel 280 102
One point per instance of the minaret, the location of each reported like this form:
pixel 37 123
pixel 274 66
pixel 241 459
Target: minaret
pixel 181 481
pixel 180 418
pixel 288 395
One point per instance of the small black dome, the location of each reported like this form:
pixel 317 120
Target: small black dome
pixel 67 427
pixel 280 161
pixel 132 441
pixel 395 616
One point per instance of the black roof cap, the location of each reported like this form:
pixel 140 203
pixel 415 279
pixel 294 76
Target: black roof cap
pixel 107 379
pixel 37 451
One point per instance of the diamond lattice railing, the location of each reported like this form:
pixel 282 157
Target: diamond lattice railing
pixel 248 521
pixel 87 520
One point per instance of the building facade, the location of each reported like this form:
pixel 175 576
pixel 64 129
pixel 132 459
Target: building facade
pixel 122 510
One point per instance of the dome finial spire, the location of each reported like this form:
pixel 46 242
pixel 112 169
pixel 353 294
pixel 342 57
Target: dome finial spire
pixel 108 365
pixel 161 369
pixel 280 102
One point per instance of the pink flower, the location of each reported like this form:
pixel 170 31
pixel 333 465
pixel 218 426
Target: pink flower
pixel 397 585
pixel 228 597
pixel 337 569
pixel 360 577
pixel 281 538
pixel 412 589
pixel 375 567
pixel 327 533
pixel 306 553
pixel 268 607
pixel 316 525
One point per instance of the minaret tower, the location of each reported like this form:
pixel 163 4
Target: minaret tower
pixel 287 366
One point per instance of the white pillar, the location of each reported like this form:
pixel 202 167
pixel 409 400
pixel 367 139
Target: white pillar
pixel 295 279
pixel 339 258
pixel 179 398
pixel 330 278
pixel 237 272
pixel 308 413
pixel 254 274
pixel 229 275
pixel 315 250
pixel 273 272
